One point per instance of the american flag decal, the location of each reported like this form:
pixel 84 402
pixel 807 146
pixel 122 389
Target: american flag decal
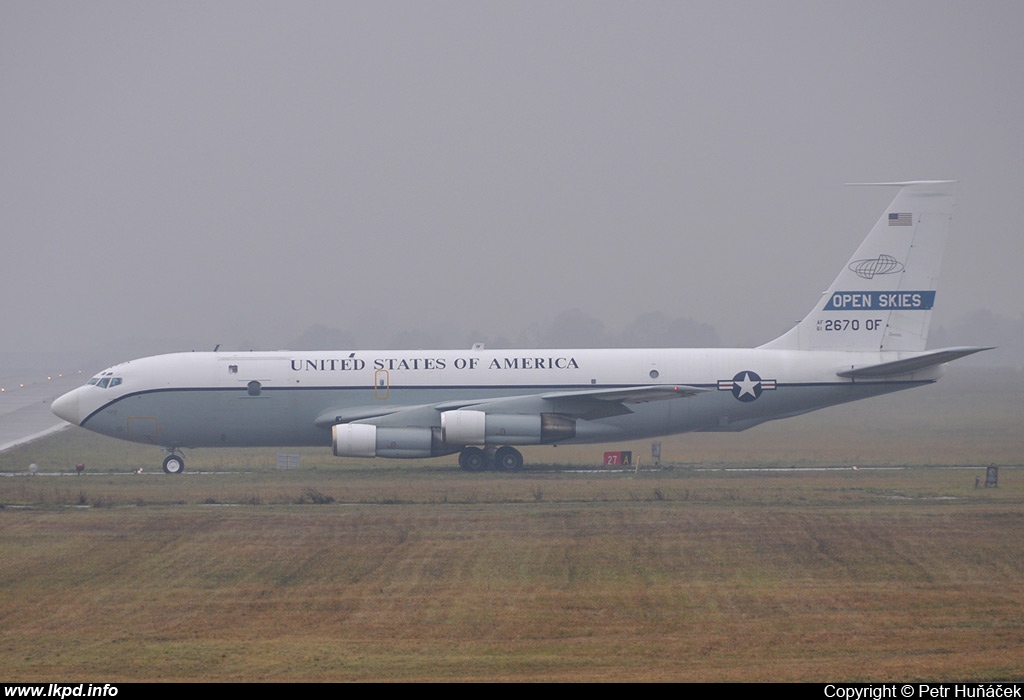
pixel 901 219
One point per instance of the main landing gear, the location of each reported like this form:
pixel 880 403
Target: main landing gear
pixel 506 459
pixel 174 463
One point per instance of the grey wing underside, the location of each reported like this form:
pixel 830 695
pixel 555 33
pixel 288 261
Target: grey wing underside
pixel 588 404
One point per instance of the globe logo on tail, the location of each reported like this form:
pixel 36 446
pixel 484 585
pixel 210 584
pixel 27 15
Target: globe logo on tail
pixel 882 265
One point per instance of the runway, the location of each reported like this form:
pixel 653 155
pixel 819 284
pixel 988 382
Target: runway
pixel 25 405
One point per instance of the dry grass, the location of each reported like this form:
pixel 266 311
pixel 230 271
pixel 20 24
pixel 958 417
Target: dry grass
pixel 427 574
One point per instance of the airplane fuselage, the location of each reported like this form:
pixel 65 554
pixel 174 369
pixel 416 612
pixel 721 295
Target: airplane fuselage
pixel 206 399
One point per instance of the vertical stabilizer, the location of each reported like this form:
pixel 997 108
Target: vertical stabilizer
pixel 882 299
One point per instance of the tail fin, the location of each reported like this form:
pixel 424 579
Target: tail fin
pixel 882 299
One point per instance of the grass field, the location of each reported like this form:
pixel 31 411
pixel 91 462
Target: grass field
pixel 349 570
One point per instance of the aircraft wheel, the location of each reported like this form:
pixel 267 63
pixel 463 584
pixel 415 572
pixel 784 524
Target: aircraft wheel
pixel 508 459
pixel 174 464
pixel 472 459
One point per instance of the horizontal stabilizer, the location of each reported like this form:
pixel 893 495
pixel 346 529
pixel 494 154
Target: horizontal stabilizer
pixel 910 364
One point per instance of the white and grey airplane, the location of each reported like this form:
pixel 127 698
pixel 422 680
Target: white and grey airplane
pixel 865 337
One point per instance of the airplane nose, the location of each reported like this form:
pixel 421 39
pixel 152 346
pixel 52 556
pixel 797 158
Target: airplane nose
pixel 66 406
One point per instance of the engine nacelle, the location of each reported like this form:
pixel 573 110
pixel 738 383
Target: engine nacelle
pixel 481 428
pixel 366 440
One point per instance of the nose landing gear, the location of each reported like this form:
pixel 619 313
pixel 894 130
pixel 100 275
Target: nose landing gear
pixel 174 463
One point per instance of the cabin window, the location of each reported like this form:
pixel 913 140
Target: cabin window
pixel 232 369
pixel 654 374
pixel 254 388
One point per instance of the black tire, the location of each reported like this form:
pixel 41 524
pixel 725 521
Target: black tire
pixel 174 464
pixel 508 459
pixel 472 459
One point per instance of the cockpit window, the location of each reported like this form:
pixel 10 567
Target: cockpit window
pixel 105 381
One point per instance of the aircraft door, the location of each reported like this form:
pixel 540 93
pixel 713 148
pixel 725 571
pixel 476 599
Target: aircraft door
pixel 381 384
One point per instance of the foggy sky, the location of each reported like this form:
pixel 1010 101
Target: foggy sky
pixel 239 172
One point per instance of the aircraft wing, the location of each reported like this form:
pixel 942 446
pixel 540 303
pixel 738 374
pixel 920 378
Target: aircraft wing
pixel 333 416
pixel 910 364
pixel 632 394
pixel 588 404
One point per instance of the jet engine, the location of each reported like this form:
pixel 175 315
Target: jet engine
pixel 367 440
pixel 481 428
